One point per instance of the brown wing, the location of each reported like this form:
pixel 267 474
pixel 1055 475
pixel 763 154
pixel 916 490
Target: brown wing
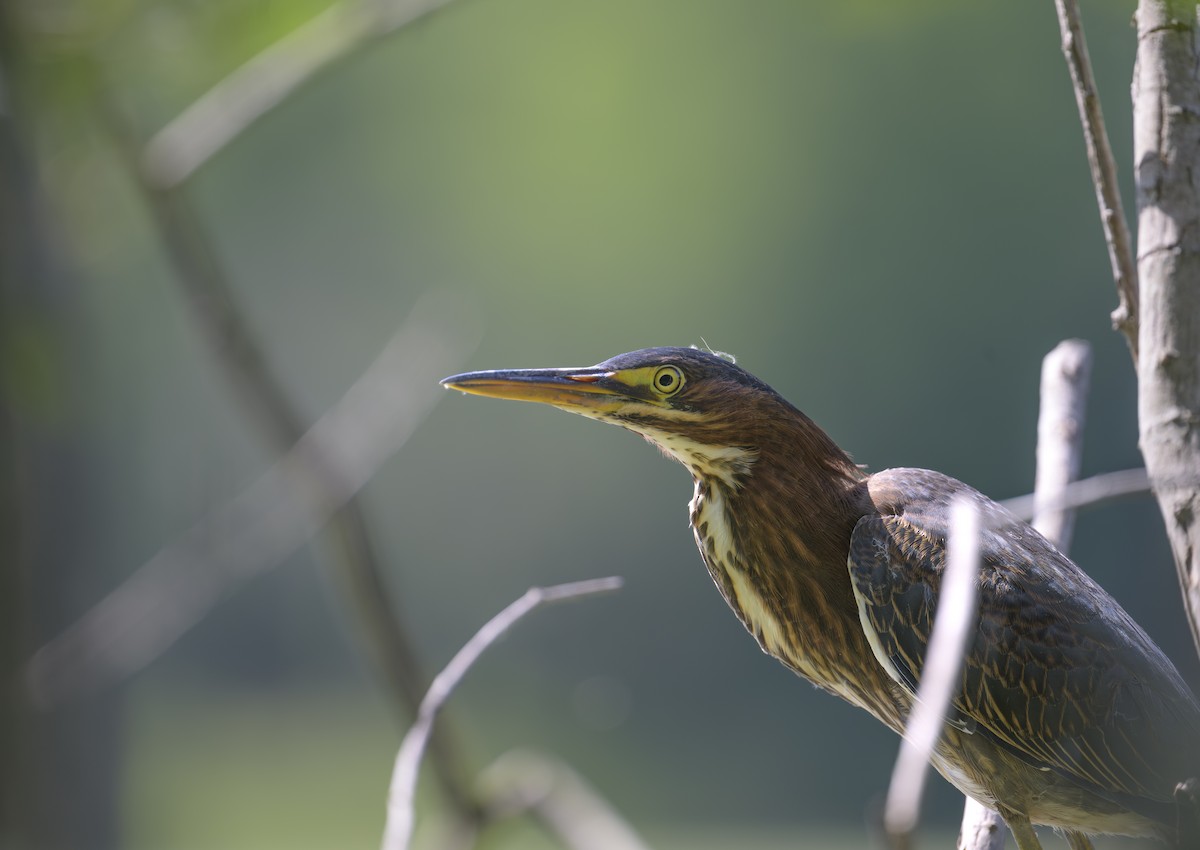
pixel 1058 673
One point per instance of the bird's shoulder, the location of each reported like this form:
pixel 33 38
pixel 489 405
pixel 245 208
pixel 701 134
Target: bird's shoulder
pixel 915 504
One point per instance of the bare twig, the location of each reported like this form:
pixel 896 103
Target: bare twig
pixel 1104 172
pixel 403 789
pixel 1166 138
pixel 256 529
pixel 1087 492
pixel 953 626
pixel 254 89
pixel 524 782
pixel 1066 372
pixel 214 306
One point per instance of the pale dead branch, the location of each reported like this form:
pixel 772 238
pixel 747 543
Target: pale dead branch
pixel 211 297
pixel 402 792
pixel 213 303
pixel 257 529
pixel 522 782
pixel 982 828
pixel 1087 492
pixel 953 627
pixel 254 89
pixel 1066 372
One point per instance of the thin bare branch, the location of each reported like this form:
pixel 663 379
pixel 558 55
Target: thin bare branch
pixel 214 306
pixel 953 626
pixel 1104 172
pixel 217 117
pixel 402 793
pixel 525 782
pixel 1086 493
pixel 257 529
pixel 1066 372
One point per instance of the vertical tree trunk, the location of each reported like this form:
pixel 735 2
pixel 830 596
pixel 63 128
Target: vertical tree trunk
pixel 59 769
pixel 15 828
pixel 1166 99
pixel 16 756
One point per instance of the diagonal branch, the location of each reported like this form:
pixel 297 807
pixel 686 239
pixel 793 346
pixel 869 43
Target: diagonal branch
pixel 1089 492
pixel 1104 172
pixel 221 114
pixel 543 788
pixel 403 789
pixel 524 782
pixel 211 296
pixel 953 626
pixel 257 529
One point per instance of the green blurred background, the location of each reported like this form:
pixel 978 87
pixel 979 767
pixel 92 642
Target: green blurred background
pixel 883 209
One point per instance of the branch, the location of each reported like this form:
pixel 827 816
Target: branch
pixel 401 795
pixel 257 529
pixel 981 829
pixel 1087 492
pixel 1066 373
pixel 522 782
pixel 1166 133
pixel 211 297
pixel 1104 172
pixel 222 113
pixel 952 629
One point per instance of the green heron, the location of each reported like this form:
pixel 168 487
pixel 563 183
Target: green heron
pixel 1068 714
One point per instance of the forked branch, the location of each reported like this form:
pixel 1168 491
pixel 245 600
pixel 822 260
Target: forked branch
pixel 403 789
pixel 254 531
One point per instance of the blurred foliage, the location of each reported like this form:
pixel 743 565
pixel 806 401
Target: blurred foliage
pixel 882 208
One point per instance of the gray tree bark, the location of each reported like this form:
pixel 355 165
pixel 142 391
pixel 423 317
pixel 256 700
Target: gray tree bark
pixel 1166 112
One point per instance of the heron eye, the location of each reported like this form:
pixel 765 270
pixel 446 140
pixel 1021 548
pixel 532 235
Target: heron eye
pixel 668 380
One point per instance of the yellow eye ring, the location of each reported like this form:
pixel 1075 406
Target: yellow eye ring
pixel 668 380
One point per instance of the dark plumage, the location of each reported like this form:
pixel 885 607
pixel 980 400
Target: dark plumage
pixel 1068 714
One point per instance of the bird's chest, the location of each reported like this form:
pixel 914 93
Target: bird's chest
pixel 779 605
pixel 763 596
pixel 736 581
